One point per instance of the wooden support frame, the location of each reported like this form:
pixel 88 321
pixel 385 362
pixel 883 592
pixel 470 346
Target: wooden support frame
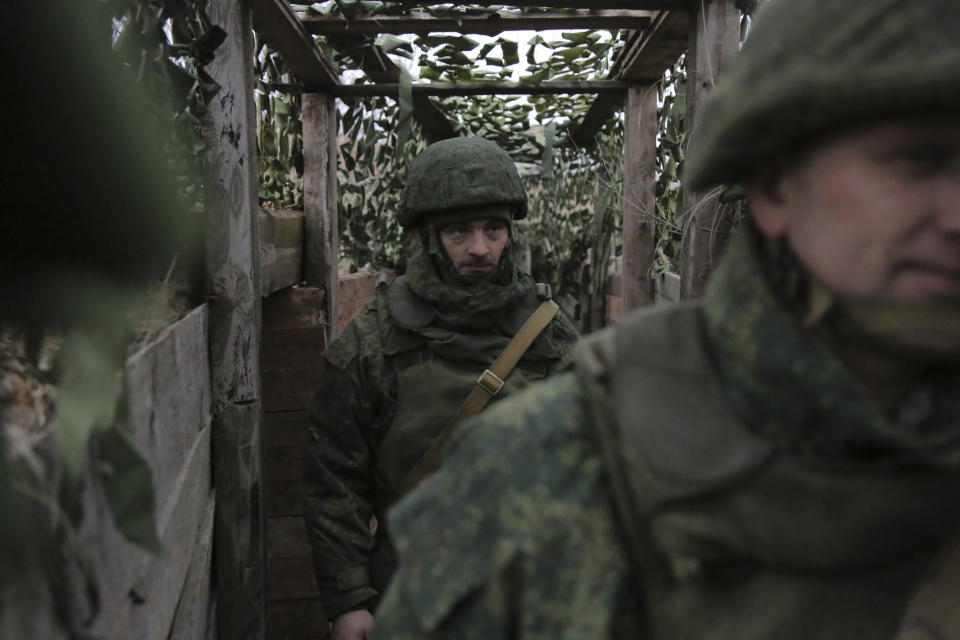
pixel 714 40
pixel 646 5
pixel 639 196
pixel 645 58
pixel 421 23
pixel 278 25
pixel 650 53
pixel 321 236
pixel 485 88
pixel 234 306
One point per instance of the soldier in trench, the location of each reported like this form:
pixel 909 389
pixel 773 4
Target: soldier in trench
pixel 779 460
pixel 432 348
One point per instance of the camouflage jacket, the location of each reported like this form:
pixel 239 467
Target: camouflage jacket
pixel 735 483
pixel 393 378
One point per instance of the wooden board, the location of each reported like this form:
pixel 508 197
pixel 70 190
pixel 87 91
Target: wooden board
pixel 422 23
pixel 293 341
pixel 714 40
pixel 168 398
pixel 284 481
pixel 139 592
pixel 281 249
pixel 234 290
pixel 548 87
pixel 321 240
pixel 193 610
pixel 277 24
pixel 639 196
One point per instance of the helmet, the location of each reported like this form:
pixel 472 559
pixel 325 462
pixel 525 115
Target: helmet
pixel 459 173
pixel 813 66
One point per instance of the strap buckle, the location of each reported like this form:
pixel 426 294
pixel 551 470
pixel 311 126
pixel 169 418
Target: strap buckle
pixel 491 386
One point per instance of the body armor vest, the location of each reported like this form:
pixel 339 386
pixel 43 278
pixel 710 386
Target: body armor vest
pixel 436 370
pixel 732 538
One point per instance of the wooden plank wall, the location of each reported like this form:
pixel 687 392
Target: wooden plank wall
pixel 294 322
pixel 148 596
pixel 139 594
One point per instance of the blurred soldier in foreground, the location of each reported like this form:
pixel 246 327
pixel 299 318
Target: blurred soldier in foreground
pixel 409 365
pixel 781 459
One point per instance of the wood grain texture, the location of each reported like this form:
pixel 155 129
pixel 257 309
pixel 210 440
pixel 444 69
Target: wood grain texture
pixel 654 50
pixel 547 87
pixel 278 26
pixel 714 40
pixel 422 23
pixel 193 610
pixel 639 196
pixel 280 248
pixel 234 286
pixel 321 240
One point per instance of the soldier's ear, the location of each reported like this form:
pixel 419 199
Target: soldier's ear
pixel 768 203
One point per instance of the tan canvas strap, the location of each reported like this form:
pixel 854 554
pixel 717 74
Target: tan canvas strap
pixel 934 609
pixel 489 384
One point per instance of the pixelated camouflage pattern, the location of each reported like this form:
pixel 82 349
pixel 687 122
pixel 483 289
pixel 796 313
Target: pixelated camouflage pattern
pixel 827 413
pixel 811 67
pixel 461 173
pixel 516 536
pixel 355 406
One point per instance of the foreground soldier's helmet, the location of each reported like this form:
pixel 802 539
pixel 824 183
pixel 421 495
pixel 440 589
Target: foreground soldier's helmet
pixel 813 66
pixel 459 173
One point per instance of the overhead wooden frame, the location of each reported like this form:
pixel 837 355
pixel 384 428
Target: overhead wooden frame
pixel 644 59
pixel 486 88
pixel 646 5
pixel 278 25
pixel 421 23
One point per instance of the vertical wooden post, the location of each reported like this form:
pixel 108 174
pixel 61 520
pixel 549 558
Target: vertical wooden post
pixel 639 195
pixel 321 237
pixel 714 40
pixel 234 299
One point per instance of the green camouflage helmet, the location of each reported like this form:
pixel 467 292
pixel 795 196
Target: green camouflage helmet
pixel 458 173
pixel 811 67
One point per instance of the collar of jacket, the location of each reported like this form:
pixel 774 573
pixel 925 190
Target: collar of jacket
pixel 792 391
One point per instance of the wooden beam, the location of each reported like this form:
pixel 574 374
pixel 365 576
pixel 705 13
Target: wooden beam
pixel 639 196
pixel 421 23
pixel 281 249
pixel 376 64
pixel 277 24
pixel 645 5
pixel 714 40
pixel 643 61
pixel 321 237
pixel 485 88
pixel 649 53
pixel 234 303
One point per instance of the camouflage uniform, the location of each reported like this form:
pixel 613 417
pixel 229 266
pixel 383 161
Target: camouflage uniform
pixel 711 469
pixel 528 530
pixel 393 381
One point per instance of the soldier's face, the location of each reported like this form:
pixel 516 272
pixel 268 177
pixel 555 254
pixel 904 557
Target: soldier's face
pixel 475 247
pixel 874 214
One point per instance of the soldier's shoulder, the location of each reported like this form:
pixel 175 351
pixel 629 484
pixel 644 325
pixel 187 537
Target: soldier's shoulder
pixel 359 339
pixel 515 478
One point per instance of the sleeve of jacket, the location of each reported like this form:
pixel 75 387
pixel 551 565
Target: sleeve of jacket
pixel 513 537
pixel 338 464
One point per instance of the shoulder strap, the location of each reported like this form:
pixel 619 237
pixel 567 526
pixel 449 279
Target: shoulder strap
pixel 489 384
